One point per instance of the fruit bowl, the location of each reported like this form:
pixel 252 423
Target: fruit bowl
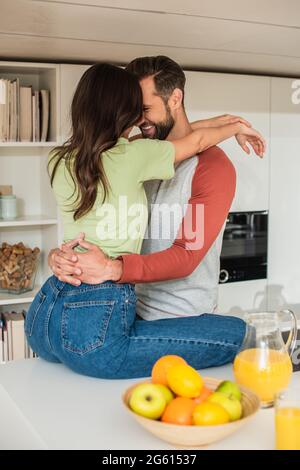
pixel 182 435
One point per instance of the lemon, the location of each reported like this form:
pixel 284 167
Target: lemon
pixel 209 414
pixel 184 380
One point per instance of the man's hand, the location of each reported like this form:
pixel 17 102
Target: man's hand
pixel 219 121
pixel 95 266
pixel 253 138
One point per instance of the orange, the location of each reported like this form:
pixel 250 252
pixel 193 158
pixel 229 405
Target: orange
pixel 161 367
pixel 184 381
pixel 204 394
pixel 179 411
pixel 207 415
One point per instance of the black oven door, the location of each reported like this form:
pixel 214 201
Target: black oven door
pixel 245 246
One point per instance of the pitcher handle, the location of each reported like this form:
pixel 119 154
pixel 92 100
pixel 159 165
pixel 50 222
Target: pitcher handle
pixel 292 338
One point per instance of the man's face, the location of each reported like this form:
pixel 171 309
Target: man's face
pixel 158 120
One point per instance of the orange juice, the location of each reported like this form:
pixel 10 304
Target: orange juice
pixel 265 371
pixel 287 422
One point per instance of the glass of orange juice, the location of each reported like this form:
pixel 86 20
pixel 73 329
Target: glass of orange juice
pixel 263 363
pixel 287 419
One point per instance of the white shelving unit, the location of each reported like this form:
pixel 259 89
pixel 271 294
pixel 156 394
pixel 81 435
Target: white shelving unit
pixel 24 166
pixel 28 221
pixel 28 144
pixel 12 299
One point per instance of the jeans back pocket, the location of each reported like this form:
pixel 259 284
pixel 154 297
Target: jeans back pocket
pixel 84 325
pixel 32 312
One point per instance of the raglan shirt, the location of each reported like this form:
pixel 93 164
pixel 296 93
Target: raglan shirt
pixel 213 185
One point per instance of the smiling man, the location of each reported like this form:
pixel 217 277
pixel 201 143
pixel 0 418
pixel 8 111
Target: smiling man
pixel 176 275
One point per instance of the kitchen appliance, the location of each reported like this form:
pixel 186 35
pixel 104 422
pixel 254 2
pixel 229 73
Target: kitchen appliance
pixel 245 247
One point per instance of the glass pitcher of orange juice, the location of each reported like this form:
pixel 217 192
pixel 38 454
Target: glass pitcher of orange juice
pixel 263 363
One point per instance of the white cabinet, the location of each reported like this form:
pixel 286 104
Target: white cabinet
pixel 236 298
pixel 69 78
pixel 211 94
pixel 284 221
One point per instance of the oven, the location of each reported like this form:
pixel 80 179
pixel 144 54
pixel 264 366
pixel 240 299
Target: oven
pixel 245 247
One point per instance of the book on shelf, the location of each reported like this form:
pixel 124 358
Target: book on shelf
pixel 7 337
pixel 33 115
pixel 14 345
pixel 13 109
pixel 24 112
pixel 2 355
pixel 37 116
pixel 45 107
pixel 4 125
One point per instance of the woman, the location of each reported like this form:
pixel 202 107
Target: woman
pixel 92 328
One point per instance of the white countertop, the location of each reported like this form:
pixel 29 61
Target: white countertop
pixel 46 405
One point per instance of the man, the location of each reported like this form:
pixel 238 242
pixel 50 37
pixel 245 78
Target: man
pixel 175 275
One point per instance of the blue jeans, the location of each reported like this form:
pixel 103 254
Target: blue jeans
pixel 93 330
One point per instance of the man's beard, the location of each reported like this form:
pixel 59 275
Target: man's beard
pixel 163 128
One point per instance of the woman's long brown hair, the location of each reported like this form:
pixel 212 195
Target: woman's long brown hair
pixel 108 100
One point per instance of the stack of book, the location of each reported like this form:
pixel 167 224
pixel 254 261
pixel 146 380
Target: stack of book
pixel 24 113
pixel 13 344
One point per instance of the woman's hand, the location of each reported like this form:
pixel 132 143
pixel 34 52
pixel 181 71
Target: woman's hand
pixel 62 261
pixel 63 265
pixel 253 138
pixel 218 121
pixel 227 119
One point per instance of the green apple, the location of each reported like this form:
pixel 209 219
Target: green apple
pixel 229 389
pixel 147 400
pixel 230 403
pixel 166 392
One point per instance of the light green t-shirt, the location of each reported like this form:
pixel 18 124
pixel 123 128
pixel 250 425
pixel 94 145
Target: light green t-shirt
pixel 118 225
